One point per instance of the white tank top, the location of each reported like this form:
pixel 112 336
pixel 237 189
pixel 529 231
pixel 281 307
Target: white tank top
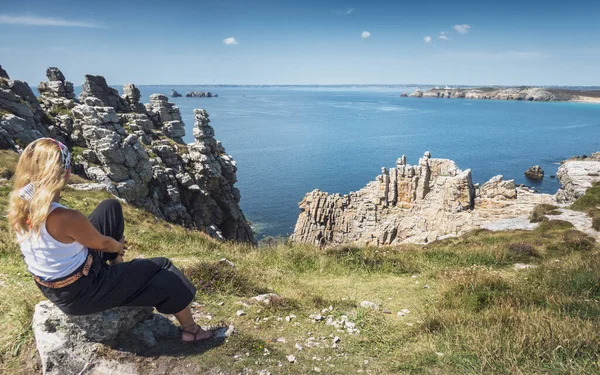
pixel 48 258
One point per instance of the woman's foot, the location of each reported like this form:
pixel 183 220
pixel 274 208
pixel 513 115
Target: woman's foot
pixel 195 333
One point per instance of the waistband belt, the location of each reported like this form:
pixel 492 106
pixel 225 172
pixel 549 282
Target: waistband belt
pixel 69 280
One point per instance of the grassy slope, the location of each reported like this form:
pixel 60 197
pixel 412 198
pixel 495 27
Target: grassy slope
pixel 478 315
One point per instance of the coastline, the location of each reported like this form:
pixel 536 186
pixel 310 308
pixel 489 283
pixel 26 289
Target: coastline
pixel 536 94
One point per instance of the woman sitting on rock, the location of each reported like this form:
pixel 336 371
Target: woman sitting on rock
pixel 67 253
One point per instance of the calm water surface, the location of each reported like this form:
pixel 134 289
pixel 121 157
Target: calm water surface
pixel 288 141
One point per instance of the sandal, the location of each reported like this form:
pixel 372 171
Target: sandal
pixel 195 333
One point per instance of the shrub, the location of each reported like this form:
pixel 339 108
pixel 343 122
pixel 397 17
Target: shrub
pixel 220 277
pixel 596 223
pixel 541 210
pixel 578 241
pixel 523 249
pixel 591 199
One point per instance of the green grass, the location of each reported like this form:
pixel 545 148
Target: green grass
pixel 471 312
pixel 590 203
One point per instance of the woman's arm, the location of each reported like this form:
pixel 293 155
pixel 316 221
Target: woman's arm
pixel 78 227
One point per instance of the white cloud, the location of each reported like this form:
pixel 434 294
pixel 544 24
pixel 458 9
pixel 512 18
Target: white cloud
pixel 28 20
pixel 462 29
pixel 349 11
pixel 443 36
pixel 230 41
pixel 365 34
pixel 427 39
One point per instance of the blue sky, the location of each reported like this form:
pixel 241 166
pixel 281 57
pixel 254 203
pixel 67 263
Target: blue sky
pixel 304 42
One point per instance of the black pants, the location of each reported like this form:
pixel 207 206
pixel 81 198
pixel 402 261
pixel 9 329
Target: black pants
pixel 154 282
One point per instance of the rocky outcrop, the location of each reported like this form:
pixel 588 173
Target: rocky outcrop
pixel 536 172
pixel 3 73
pixel 200 94
pixel 575 178
pixel 420 203
pixel 418 93
pixel 136 151
pixel 166 116
pixel 131 95
pixel 22 119
pixel 521 93
pixel 175 94
pixel 57 98
pixel 96 87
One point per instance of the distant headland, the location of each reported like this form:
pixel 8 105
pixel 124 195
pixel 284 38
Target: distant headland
pixel 536 94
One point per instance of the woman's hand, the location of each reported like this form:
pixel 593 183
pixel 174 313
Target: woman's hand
pixel 123 242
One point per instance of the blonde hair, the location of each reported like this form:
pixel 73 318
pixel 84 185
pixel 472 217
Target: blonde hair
pixel 41 165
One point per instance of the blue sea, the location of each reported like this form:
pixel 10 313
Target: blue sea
pixel 288 141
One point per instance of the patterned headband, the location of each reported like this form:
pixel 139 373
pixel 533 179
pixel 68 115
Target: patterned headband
pixel 64 153
pixel 27 191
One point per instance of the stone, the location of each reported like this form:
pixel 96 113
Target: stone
pixel 536 172
pixel 266 299
pixel 66 344
pixel 369 305
pixel 175 94
pixel 291 358
pixel 240 313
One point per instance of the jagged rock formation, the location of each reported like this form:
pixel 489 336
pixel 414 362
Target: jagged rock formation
pixel 75 344
pixel 175 94
pixel 200 94
pixel 576 176
pixel 137 151
pixel 420 203
pixel 96 86
pixel 22 119
pixel 132 97
pixel 536 172
pixel 57 98
pixel 513 93
pixel 3 73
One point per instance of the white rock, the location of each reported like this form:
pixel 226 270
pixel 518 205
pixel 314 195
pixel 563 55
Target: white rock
pixel 240 313
pixel 291 358
pixel 369 305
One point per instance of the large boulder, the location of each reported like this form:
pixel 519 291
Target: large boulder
pixel 69 344
pixel 79 344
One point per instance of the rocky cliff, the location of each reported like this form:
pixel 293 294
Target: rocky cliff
pixel 421 203
pixel 135 150
pixel 512 93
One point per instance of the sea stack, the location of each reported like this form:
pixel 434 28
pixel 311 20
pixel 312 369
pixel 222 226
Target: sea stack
pixel 536 172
